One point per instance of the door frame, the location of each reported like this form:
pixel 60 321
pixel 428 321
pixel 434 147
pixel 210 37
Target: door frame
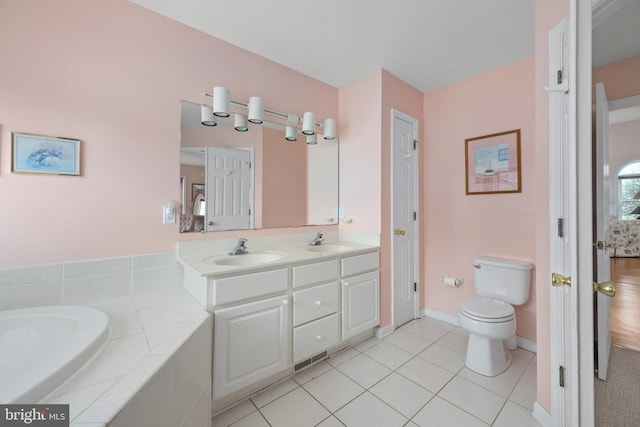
pixel 416 198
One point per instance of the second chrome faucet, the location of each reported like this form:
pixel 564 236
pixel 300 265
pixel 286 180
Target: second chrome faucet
pixel 241 247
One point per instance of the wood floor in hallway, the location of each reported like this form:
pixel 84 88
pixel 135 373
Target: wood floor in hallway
pixel 625 306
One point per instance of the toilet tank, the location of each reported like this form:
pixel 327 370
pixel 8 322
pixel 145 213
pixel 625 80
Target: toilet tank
pixel 505 279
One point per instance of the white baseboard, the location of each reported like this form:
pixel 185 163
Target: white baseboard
pixel 384 331
pixel 541 415
pixel 438 315
pixel 453 320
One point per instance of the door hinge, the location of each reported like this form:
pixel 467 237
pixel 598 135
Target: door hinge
pixel 560 227
pixel 415 144
pixel 415 287
pixel 415 216
pixel 559 76
pixel 561 376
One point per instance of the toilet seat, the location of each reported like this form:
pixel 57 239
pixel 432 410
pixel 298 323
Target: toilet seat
pixel 485 309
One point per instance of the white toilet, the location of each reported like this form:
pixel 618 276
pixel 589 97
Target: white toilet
pixel 489 317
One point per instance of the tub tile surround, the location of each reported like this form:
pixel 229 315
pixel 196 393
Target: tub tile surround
pixel 155 368
pixel 85 282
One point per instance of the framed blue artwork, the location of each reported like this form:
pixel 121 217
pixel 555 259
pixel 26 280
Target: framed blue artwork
pixel 44 154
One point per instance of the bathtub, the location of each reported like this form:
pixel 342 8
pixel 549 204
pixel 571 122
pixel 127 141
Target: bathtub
pixel 41 347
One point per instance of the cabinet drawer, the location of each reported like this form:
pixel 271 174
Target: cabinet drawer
pixel 248 286
pixel 360 263
pixel 315 337
pixel 314 303
pixel 315 273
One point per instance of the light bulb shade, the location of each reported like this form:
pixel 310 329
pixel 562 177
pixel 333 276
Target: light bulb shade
pixel 312 139
pixel 255 109
pixel 329 129
pixel 241 124
pixel 206 116
pixel 290 134
pixel 221 101
pixel 308 123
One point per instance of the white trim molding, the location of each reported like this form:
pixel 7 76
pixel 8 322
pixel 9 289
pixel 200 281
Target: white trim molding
pixel 385 331
pixel 541 415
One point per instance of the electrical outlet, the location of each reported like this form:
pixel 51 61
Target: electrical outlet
pixel 168 215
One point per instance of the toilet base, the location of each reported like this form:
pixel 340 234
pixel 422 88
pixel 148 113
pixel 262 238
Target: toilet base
pixel 486 357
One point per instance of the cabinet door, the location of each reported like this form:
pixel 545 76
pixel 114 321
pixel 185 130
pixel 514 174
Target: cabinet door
pixel 360 303
pixel 251 343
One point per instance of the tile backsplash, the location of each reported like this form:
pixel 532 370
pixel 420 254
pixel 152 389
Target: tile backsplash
pixel 84 282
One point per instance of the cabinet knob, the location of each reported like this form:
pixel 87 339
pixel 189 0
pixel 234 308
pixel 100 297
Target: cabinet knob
pixel 318 303
pixel 285 301
pixel 318 337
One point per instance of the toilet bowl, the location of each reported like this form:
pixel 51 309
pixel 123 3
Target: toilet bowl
pixel 489 322
pixel 489 317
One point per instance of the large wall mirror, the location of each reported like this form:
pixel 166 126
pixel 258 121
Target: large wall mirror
pixel 232 180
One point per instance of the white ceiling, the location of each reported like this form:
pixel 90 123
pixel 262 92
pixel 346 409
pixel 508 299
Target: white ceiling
pixel 426 43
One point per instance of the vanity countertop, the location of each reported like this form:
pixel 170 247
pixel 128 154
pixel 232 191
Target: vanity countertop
pixel 215 261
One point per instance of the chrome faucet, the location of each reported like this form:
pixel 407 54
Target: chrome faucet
pixel 241 248
pixel 317 241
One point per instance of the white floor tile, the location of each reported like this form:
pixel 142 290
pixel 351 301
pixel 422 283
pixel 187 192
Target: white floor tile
pixel 524 394
pixel 333 389
pixel 389 355
pixel 331 422
pixel 444 357
pixel 515 415
pixel 364 370
pixel 474 399
pixel 521 353
pixel 502 384
pixel 441 413
pixel 342 356
pixel 531 373
pixel 255 419
pixel 272 393
pixel 233 414
pixel 425 374
pixel 401 394
pixel 312 372
pixel 454 342
pixel 426 330
pixel 367 344
pixel 295 409
pixel 367 411
pixel 412 343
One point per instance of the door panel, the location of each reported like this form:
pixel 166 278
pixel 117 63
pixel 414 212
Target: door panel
pixel 405 209
pixel 228 188
pixel 603 305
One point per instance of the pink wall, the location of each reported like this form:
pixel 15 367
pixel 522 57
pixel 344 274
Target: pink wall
pixel 113 74
pixel 620 78
pixel 458 226
pixel 284 194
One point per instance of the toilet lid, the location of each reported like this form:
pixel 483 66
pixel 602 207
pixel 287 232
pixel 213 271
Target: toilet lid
pixel 487 308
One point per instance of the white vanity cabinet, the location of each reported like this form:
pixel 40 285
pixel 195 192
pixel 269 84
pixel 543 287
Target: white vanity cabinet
pixel 316 322
pixel 360 293
pixel 250 338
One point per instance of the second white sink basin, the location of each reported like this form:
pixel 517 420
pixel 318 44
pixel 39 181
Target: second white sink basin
pixel 252 258
pixel 329 247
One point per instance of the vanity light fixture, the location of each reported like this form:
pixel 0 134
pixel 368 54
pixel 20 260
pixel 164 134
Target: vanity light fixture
pixel 221 101
pixel 312 139
pixel 255 110
pixel 329 129
pixel 290 134
pixel 241 124
pixel 206 116
pixel 308 123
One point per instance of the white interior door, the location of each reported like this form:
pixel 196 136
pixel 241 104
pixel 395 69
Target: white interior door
pixel 405 211
pixel 603 274
pixel 228 198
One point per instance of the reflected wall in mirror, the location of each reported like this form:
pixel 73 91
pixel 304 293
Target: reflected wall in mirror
pixel 254 179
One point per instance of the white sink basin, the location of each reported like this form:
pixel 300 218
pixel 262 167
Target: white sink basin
pixel 329 247
pixel 252 258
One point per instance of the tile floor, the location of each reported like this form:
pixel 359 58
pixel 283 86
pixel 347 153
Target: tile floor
pixel 414 377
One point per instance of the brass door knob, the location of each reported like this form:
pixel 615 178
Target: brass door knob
pixel 607 288
pixel 399 232
pixel 560 280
